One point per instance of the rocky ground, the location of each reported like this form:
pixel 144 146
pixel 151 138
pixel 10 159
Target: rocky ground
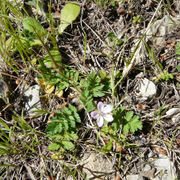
pixel 151 92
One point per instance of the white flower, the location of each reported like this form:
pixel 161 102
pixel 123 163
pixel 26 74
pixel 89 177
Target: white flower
pixel 103 113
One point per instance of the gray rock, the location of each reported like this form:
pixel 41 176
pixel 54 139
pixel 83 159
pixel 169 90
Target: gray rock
pixel 176 118
pixel 134 177
pixel 32 100
pixel 172 111
pixel 147 167
pixel 145 89
pixel 95 165
pixel 168 170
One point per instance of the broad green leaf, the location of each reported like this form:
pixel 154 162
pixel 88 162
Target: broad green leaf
pixel 68 145
pixel 33 26
pixel 68 14
pixel 53 147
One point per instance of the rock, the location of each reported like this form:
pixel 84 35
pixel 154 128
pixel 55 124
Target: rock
pixel 161 28
pixel 155 32
pixel 134 177
pixel 146 89
pixel 32 100
pixel 148 171
pixel 95 164
pixel 168 170
pixel 174 113
pixel 147 167
pixel 176 118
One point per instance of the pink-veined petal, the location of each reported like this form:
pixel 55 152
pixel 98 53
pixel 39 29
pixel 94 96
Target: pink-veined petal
pixel 94 114
pixel 100 121
pixel 107 109
pixel 108 117
pixel 100 106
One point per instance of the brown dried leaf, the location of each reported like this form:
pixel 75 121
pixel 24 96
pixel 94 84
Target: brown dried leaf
pixel 160 150
pixel 141 106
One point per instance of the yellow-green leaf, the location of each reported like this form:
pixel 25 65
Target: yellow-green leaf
pixel 33 26
pixel 69 13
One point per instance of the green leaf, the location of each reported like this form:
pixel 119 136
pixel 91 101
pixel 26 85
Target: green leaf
pixel 66 126
pixel 53 147
pixel 68 14
pixel 135 125
pixel 131 123
pixel 65 110
pixel 178 48
pixel 129 115
pixel 90 106
pixel 33 26
pixel 76 115
pixel 53 128
pixel 126 129
pixel 178 68
pixel 56 56
pixel 68 145
pixel 98 94
pixel 107 147
pixel 72 122
pixel 73 136
pixel 102 74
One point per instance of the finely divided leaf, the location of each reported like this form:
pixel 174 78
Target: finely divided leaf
pixel 129 115
pixel 53 147
pixel 68 145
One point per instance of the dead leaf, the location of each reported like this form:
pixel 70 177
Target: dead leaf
pixel 62 105
pixel 117 177
pixel 160 150
pixel 163 57
pixel 178 142
pixel 141 106
pixel 171 45
pixel 59 94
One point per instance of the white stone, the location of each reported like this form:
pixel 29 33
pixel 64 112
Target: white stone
pixel 96 164
pixel 32 100
pixel 147 167
pixel 146 89
pixel 172 111
pixel 164 164
pixel 134 177
pixel 176 118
